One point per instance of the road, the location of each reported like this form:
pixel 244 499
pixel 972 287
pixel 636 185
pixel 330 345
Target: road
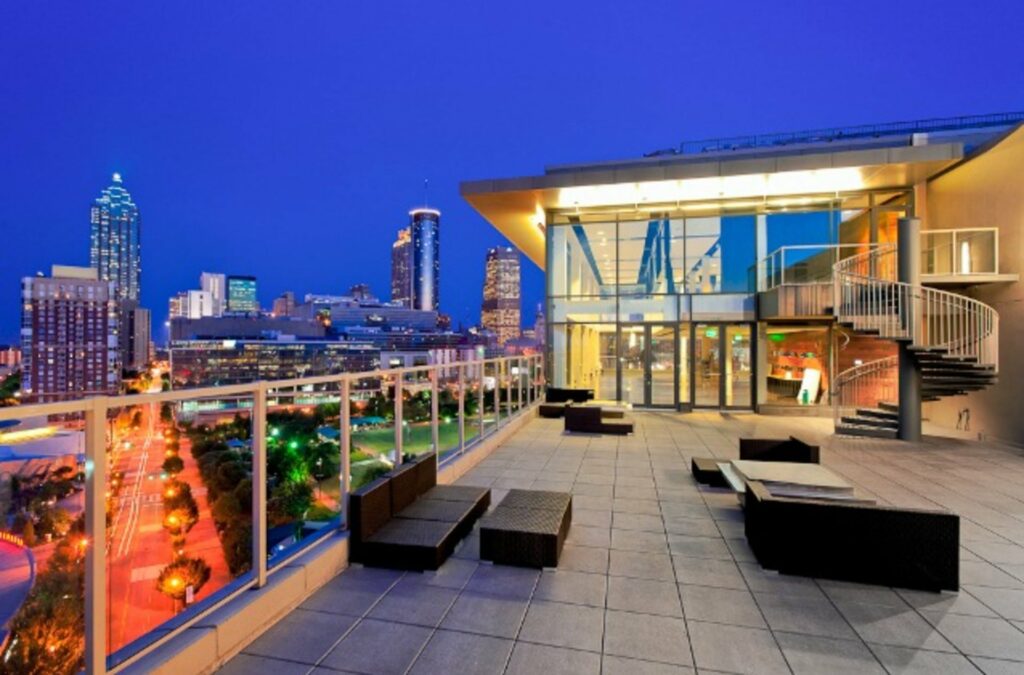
pixel 15 582
pixel 138 547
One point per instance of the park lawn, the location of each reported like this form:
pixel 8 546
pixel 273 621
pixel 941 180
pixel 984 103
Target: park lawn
pixel 417 438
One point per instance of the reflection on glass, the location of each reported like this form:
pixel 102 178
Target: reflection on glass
pixel 662 365
pixel 632 350
pixel 708 365
pixel 591 359
pixel 737 366
pixel 797 364
pixel 684 363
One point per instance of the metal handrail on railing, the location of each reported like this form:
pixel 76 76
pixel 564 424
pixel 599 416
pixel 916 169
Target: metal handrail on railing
pixel 772 269
pixel 868 297
pixel 521 377
pixel 864 385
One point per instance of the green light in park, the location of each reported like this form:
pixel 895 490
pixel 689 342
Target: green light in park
pixel 776 337
pixel 275 432
pixel 447 420
pixel 294 445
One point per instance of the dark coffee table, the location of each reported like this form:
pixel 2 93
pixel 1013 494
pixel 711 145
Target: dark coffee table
pixel 527 529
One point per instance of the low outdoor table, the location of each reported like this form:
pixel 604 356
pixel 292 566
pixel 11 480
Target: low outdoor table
pixel 527 529
pixel 795 480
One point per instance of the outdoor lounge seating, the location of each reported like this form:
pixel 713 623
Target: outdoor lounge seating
pixel 404 520
pixel 853 541
pixel 706 472
pixel 527 529
pixel 594 420
pixel 562 395
pixel 553 410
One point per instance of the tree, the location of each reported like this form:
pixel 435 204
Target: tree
pixel 289 501
pixel 28 533
pixel 166 414
pixel 181 520
pixel 173 465
pixel 175 579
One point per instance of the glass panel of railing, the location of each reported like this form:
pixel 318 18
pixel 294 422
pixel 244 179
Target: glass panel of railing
pixel 181 527
pixel 976 252
pixel 43 498
pixel 806 264
pixel 490 393
pixel 938 254
pixel 448 387
pixel 417 429
pixel 373 428
pixel 471 402
pixel 303 466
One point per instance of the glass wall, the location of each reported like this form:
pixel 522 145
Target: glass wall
pixel 798 365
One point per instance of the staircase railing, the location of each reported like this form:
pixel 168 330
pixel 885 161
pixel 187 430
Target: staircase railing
pixel 870 299
pixel 864 386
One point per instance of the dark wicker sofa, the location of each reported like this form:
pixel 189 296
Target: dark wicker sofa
pixel 773 450
pixel 865 543
pixel 594 420
pixel 404 520
pixel 563 395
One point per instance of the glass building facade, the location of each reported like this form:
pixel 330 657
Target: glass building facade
pixel 242 294
pixel 660 309
pixel 425 229
pixel 115 250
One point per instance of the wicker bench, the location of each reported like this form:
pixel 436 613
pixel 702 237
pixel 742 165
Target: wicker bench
pixel 562 395
pixel 865 543
pixel 527 529
pixel 404 520
pixel 594 420
pixel 706 472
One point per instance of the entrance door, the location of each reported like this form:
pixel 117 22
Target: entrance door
pixel 723 366
pixel 647 356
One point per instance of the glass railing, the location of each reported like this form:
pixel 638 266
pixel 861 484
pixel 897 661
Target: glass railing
pixel 962 252
pixel 164 506
pixel 803 264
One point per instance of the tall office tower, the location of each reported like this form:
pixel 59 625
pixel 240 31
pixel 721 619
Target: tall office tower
pixel 425 228
pixel 500 310
pixel 284 304
pixel 401 268
pixel 217 286
pixel 69 335
pixel 361 292
pixel 540 325
pixel 114 248
pixel 242 295
pixel 134 335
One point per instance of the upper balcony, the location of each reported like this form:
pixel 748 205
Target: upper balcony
pixel 796 281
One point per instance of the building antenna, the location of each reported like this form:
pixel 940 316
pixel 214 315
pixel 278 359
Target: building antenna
pixel 426 186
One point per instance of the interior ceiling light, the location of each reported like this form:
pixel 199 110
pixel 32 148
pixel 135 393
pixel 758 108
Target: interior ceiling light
pixel 726 187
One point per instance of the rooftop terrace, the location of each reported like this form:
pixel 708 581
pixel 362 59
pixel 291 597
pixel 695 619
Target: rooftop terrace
pixel 656 576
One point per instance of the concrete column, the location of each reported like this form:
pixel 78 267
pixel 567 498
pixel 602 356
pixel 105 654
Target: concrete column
pixel 908 263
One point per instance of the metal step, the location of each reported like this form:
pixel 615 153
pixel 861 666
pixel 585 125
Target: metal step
pixel 878 413
pixel 870 422
pixel 869 432
pixel 889 406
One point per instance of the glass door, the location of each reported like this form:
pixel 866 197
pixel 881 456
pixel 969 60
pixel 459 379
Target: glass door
pixel 707 364
pixel 722 366
pixel 661 366
pixel 633 364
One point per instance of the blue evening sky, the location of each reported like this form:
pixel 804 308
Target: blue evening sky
pixel 288 139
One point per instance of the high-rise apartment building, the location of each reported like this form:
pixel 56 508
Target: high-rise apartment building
pixel 284 304
pixel 114 245
pixel 217 286
pixel 425 229
pixel 135 337
pixel 242 294
pixel 401 268
pixel 500 310
pixel 69 335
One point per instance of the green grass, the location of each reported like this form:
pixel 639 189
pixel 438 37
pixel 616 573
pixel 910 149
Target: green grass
pixel 416 438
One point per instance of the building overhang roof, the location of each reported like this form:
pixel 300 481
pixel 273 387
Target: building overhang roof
pixel 518 207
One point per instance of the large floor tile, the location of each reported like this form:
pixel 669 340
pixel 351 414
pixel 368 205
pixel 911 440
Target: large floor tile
pixel 531 659
pixel 641 565
pixel 646 596
pixel 578 588
pixel 980 636
pixel 708 572
pixel 721 605
pixel 304 636
pixel 906 661
pixel 653 638
pixel 486 614
pixel 811 655
pixel 618 665
pixel 735 649
pixel 378 648
pixel 808 616
pixel 901 627
pixel 453 652
pixel 561 625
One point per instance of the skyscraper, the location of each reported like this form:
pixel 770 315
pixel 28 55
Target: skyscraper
pixel 361 292
pixel 242 294
pixel 500 310
pixel 216 285
pixel 425 231
pixel 284 304
pixel 69 335
pixel 401 268
pixel 114 246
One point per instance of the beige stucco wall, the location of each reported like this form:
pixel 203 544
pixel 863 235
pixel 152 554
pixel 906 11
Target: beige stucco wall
pixel 988 191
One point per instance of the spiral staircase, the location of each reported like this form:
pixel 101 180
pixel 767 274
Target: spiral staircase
pixel 954 340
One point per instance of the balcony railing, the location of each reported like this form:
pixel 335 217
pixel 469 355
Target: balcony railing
pixel 960 253
pixel 274 482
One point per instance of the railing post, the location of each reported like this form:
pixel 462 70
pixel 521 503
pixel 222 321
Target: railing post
pixel 259 484
pixel 481 396
pixel 462 408
pixel 508 385
pixel 96 535
pixel 398 419
pixel 345 422
pixel 435 422
pixel 497 392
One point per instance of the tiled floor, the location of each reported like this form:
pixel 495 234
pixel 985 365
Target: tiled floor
pixel 656 576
